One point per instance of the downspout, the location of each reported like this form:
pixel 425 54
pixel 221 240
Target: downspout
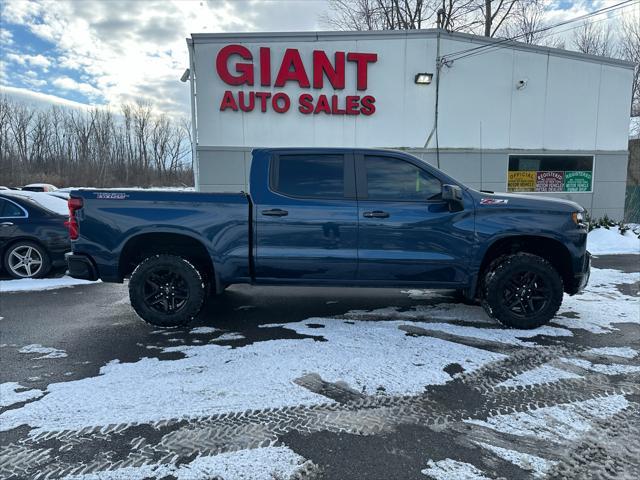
pixel 434 130
pixel 194 131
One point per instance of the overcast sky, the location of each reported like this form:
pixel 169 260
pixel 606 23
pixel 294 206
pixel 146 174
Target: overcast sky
pixel 109 52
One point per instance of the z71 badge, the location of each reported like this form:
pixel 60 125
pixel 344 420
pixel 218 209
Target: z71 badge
pixel 493 201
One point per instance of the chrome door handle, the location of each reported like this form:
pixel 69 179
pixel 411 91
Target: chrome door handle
pixel 6 224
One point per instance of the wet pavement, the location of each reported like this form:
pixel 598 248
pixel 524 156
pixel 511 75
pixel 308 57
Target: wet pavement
pixel 321 383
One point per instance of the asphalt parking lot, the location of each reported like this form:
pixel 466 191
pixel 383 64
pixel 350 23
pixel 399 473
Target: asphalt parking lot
pixel 333 383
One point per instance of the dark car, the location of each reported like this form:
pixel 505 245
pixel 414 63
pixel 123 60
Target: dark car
pixel 33 235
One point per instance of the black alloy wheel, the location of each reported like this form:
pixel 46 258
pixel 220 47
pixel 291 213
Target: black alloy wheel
pixel 521 290
pixel 526 294
pixel 166 290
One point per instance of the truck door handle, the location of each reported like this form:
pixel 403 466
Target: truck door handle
pixel 6 224
pixel 275 212
pixel 376 214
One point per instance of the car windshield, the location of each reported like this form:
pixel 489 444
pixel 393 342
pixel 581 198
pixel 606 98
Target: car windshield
pixel 48 202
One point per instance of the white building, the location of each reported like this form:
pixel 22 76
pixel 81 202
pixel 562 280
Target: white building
pixel 510 116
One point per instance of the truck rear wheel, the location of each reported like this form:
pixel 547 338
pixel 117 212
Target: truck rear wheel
pixel 522 291
pixel 166 290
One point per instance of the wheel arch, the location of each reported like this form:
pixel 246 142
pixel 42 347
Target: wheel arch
pixel 549 248
pixel 144 244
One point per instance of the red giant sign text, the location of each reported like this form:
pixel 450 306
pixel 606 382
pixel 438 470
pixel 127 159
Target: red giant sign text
pixel 236 66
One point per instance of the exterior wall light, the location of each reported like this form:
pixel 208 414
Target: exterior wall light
pixel 423 78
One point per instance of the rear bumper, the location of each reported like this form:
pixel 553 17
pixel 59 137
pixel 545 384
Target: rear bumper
pixel 581 277
pixel 81 266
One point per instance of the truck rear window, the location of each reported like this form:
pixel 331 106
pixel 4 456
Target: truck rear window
pixel 309 176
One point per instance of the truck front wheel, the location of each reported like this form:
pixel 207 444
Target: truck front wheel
pixel 166 290
pixel 522 291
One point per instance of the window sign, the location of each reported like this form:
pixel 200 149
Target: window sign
pixel 549 181
pixel 550 173
pixel 577 181
pixel 522 181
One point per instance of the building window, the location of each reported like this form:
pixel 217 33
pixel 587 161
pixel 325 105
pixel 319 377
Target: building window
pixel 310 176
pixel 550 173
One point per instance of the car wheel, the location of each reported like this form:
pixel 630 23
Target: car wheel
pixel 26 260
pixel 166 290
pixel 522 291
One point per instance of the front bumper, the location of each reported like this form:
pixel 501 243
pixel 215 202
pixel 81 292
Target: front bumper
pixel 81 266
pixel 581 278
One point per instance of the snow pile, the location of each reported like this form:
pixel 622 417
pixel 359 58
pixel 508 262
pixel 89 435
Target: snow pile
pixel 32 284
pixel 12 393
pixel 601 241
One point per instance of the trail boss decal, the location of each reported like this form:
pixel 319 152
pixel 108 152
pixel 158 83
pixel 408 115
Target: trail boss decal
pixel 236 66
pixel 493 201
pixel 111 195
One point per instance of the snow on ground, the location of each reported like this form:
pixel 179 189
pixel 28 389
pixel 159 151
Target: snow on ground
pixel 12 393
pixel 256 464
pixel 32 284
pixel 203 330
pixel 217 379
pixel 601 305
pixel 536 465
pixel 543 374
pixel 624 352
pixel 366 355
pixel 602 241
pixel 449 469
pixel 568 421
pixel 606 369
pixel 49 352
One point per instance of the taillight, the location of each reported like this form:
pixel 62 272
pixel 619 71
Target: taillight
pixel 74 204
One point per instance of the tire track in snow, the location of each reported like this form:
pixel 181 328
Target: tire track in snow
pixel 56 454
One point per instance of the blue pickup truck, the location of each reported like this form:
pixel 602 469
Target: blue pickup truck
pixel 349 217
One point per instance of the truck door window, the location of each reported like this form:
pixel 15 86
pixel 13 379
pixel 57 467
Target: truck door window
pixel 392 179
pixel 309 176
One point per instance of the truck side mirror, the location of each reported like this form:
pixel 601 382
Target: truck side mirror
pixel 453 195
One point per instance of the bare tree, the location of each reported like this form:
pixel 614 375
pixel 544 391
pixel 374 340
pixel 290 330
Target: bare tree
pixel 382 14
pixel 453 15
pixel 593 38
pixel 629 49
pixel 93 148
pixel 488 16
pixel 494 14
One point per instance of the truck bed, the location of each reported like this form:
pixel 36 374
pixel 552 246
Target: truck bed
pixel 111 219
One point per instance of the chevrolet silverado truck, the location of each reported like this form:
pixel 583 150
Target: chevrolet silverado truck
pixel 339 217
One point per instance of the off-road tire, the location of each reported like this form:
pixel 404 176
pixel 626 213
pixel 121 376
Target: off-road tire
pixel 501 271
pixel 45 267
pixel 185 270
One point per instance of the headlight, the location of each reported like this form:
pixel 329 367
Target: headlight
pixel 578 218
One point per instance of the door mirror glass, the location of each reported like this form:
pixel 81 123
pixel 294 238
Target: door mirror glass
pixel 452 193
